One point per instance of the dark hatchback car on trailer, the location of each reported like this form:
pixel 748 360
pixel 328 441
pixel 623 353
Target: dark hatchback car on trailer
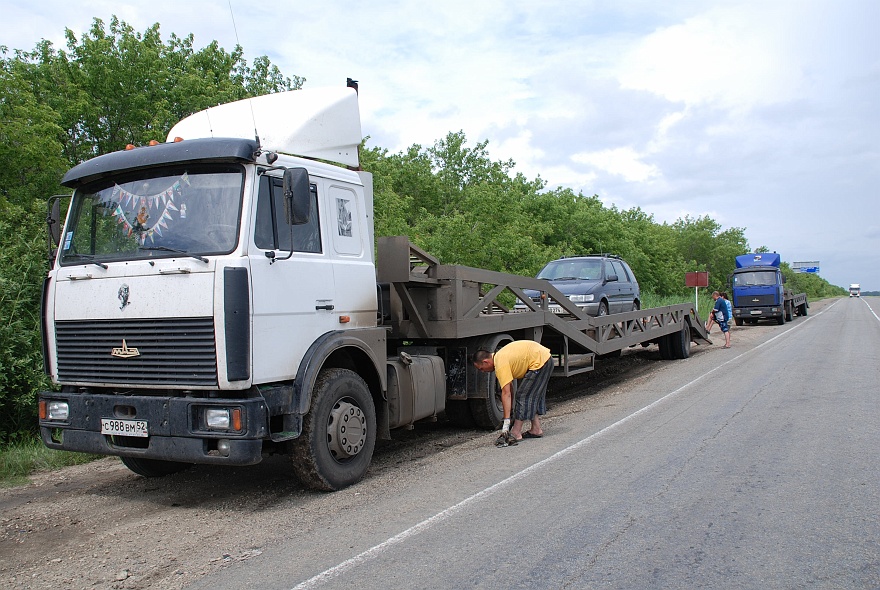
pixel 599 284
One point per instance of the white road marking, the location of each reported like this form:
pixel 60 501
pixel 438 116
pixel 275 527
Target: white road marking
pixel 869 307
pixel 426 524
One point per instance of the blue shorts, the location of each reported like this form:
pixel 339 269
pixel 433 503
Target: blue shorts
pixel 725 327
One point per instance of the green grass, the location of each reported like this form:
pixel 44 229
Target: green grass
pixel 20 459
pixel 705 302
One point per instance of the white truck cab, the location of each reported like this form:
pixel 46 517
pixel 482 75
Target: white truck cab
pixel 196 280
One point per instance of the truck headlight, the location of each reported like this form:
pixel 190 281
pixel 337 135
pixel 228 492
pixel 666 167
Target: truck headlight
pixel 222 418
pixel 217 418
pixel 57 410
pixel 581 298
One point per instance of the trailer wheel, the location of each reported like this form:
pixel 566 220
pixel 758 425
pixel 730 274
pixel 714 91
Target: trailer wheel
pixel 676 345
pixel 486 409
pixel 339 432
pixel 681 342
pixel 154 467
pixel 803 309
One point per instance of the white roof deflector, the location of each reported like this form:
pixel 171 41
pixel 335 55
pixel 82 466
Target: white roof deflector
pixel 321 123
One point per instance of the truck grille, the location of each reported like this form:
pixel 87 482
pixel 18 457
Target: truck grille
pixel 173 351
pixel 749 300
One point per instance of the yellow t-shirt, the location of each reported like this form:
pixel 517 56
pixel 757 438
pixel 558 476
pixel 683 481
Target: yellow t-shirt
pixel 515 359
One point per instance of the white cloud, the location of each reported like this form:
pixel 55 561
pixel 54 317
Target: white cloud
pixel 736 55
pixel 623 162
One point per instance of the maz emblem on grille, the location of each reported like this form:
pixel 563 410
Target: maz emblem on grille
pixel 125 352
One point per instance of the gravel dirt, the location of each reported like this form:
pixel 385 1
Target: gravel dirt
pixel 101 526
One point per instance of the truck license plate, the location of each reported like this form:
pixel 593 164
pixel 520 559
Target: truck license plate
pixel 755 312
pixel 124 427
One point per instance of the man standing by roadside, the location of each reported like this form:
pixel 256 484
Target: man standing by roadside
pixel 526 360
pixel 722 317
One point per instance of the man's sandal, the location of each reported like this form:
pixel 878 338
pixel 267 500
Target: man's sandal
pixel 506 440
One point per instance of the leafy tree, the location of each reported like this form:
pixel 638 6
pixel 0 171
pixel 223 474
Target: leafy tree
pixel 704 246
pixel 115 87
pixel 812 284
pixel 30 139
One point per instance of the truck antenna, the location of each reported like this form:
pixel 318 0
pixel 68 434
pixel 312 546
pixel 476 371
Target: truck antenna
pixel 237 42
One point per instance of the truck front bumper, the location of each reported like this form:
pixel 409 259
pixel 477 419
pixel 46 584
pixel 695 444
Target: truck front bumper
pixel 176 428
pixel 758 312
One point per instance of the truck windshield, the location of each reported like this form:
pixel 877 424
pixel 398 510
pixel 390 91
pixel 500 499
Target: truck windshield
pixel 754 278
pixel 158 213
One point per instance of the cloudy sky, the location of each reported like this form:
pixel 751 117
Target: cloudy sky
pixel 762 114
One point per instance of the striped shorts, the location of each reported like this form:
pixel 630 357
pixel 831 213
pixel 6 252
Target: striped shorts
pixel 531 393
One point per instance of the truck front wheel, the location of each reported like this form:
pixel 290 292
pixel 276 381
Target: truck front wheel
pixel 339 432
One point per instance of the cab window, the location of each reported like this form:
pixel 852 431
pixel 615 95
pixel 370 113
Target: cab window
pixel 272 231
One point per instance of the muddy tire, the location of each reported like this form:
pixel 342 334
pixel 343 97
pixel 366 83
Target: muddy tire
pixel 154 467
pixel 339 433
pixel 676 345
pixel 681 342
pixel 487 411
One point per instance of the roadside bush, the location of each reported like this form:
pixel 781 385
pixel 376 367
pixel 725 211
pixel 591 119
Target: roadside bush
pixel 22 269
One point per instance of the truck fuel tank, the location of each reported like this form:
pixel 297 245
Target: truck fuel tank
pixel 416 388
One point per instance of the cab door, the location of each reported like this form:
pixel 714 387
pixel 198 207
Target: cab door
pixel 293 298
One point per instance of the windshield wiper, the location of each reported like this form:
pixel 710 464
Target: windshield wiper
pixel 167 249
pixel 88 257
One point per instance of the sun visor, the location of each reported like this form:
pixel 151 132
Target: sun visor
pixel 321 123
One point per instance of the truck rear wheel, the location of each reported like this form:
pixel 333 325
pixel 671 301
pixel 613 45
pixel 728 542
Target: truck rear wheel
pixel 676 345
pixel 339 432
pixel 154 467
pixel 487 410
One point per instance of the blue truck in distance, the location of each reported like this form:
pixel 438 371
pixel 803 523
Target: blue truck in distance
pixel 759 292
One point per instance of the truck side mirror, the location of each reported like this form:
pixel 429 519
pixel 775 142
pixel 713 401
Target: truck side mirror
pixel 297 204
pixel 53 223
pixel 53 219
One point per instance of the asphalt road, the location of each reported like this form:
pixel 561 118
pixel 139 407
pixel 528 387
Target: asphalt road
pixel 754 467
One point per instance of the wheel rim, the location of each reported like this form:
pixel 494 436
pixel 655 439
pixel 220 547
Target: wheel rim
pixel 346 430
pixel 603 310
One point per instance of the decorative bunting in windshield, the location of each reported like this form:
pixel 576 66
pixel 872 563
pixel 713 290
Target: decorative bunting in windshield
pixel 141 207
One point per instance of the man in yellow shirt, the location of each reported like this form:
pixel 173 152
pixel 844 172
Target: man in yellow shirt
pixel 526 360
